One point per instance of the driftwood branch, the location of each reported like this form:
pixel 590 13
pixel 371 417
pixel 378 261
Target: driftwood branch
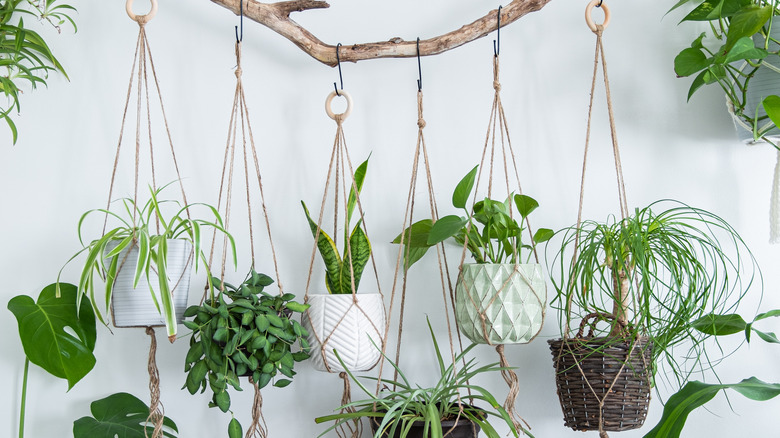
pixel 276 16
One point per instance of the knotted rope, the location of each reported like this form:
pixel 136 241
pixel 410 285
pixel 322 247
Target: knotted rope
pixel 258 428
pixel 156 409
pixel 351 428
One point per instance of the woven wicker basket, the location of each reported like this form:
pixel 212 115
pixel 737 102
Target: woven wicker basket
pixel 601 375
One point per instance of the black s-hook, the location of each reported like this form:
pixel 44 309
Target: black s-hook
pixel 419 66
pixel 241 8
pixel 341 78
pixel 497 41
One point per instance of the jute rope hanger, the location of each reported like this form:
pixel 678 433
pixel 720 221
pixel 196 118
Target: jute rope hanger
pixel 599 57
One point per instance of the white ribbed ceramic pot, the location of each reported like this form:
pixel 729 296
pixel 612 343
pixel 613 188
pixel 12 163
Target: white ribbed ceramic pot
pixel 134 307
pixel 512 298
pixel 765 82
pixel 337 322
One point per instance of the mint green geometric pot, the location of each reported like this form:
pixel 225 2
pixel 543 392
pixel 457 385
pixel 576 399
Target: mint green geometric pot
pixel 500 303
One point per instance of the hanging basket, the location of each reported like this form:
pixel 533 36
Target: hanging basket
pixel 500 303
pixel 610 369
pixel 134 307
pixel 353 325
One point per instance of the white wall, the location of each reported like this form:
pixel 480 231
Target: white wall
pixel 68 133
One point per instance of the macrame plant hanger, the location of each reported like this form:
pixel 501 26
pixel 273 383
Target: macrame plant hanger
pixel 139 77
pixel 568 343
pixel 345 186
pixel 404 253
pixel 497 140
pixel 239 116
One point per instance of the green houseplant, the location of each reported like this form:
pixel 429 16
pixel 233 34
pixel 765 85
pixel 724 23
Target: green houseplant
pixel 25 57
pixel 740 54
pixel 648 275
pixel 243 331
pixel 342 319
pixel 406 410
pixel 501 277
pixel 156 242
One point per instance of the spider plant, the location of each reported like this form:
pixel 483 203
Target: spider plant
pixel 655 273
pixel 146 228
pixel 401 404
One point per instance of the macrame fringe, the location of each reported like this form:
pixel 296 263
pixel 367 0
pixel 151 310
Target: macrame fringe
pixel 514 390
pixel 156 410
pixel 351 428
pixel 258 428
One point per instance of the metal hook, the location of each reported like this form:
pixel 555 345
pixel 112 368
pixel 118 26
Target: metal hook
pixel 600 2
pixel 419 66
pixel 497 41
pixel 241 8
pixel 341 78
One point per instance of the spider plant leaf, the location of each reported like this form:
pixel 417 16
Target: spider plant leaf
pixel 329 252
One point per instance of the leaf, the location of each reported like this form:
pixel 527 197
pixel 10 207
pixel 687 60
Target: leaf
pixel 767 337
pixel 744 49
pixel 416 235
pixel 543 235
pixel 525 205
pixel 747 22
pixel 771 313
pixel 121 415
pixel 42 331
pixel 462 191
pixel 720 325
pixel 356 258
pixel 772 107
pixel 360 175
pixel 690 61
pixel 222 399
pixel 234 429
pixel 281 383
pixel 695 394
pixel 445 228
pixel 329 253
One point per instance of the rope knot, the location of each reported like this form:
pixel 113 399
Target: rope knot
pixel 497 85
pixel 599 30
pixel 239 72
pixel 339 118
pixel 421 123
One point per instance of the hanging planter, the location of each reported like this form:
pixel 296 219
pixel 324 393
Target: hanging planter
pixel 350 325
pixel 454 428
pixel 500 303
pixel 137 305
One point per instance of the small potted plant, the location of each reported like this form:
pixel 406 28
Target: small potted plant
pixel 501 297
pixel 145 261
pixel 648 276
pixel 243 331
pixel 406 410
pixel 342 319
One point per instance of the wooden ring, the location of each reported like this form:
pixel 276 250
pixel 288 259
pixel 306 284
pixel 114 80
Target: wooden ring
pixel 589 10
pixel 329 100
pixel 145 18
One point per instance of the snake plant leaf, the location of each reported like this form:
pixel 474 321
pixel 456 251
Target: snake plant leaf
pixel 462 191
pixel 695 394
pixel 355 263
pixel 360 176
pixel 119 415
pixel 42 329
pixel 329 252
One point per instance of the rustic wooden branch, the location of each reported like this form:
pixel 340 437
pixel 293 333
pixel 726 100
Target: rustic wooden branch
pixel 276 16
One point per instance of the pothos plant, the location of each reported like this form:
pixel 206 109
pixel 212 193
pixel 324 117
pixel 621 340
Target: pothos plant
pixel 342 273
pixel 655 271
pixel 492 231
pixel 25 57
pixel 730 56
pixel 243 331
pixel 146 227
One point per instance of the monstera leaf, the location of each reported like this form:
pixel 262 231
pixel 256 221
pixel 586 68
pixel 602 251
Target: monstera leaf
pixel 120 415
pixel 42 331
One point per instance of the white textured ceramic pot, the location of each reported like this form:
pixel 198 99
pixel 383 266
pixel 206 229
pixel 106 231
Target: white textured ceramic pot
pixel 500 303
pixel 346 323
pixel 765 82
pixel 134 307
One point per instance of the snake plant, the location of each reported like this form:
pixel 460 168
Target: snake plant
pixel 343 273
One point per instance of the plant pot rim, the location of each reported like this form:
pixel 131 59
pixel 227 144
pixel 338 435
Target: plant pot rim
pixel 327 294
pixel 502 264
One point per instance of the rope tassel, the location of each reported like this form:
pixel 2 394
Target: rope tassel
pixel 258 428
pixel 351 428
pixel 156 410
pixel 514 390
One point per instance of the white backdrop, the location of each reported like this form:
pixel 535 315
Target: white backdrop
pixel 68 132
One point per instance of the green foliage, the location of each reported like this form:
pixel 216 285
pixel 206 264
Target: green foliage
pixel 401 403
pixel 343 273
pixel 731 57
pixel 676 267
pixel 25 56
pixel 499 241
pixel 119 415
pixel 243 331
pixel 145 227
pixel 42 327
